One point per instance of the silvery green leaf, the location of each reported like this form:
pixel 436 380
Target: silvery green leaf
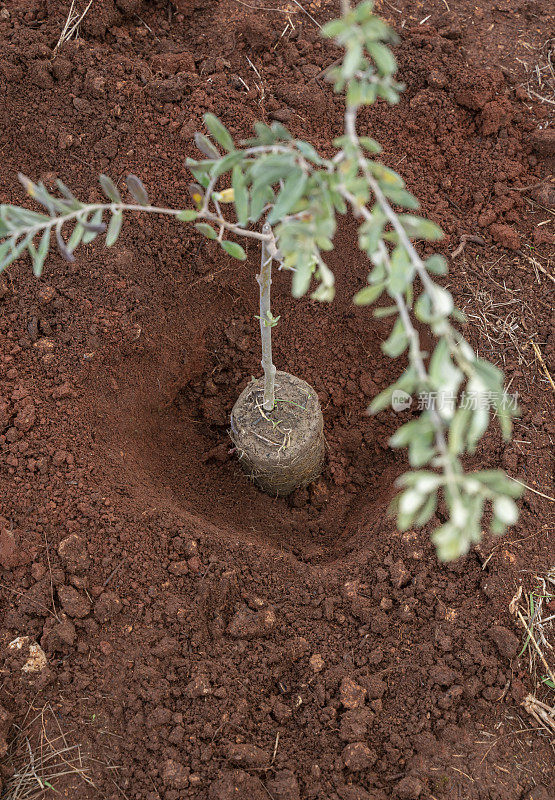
pixel 234 250
pixel 368 295
pixel 67 254
pixel 95 227
pixel 352 60
pixel 400 197
pixel 506 510
pixel 76 236
pixel 458 430
pixel 110 189
pixel 241 195
pixel 436 264
pixel 206 147
pixel 449 542
pixel 42 252
pixel 420 228
pixel 206 230
pixel 114 228
pixel 401 271
pixel 382 57
pixel 137 190
pixel 219 131
pixel 187 215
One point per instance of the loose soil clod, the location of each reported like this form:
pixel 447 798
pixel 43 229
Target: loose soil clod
pixel 281 450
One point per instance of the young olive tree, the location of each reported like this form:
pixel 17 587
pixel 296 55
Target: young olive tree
pixel 283 194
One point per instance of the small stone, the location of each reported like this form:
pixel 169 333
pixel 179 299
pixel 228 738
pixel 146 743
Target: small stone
pixel 316 662
pixel 358 756
pixel 45 294
pixel 375 687
pixel 399 574
pixel 10 554
pixel 282 115
pixel 174 774
pixel 236 785
pixel 409 788
pixel 442 675
pixel 246 755
pixel 543 141
pixel 74 603
pixel 58 636
pixel 199 687
pixel 25 418
pixel 284 786
pixel 36 659
pixel 82 105
pixel 505 236
pixel 351 694
pixel 355 724
pixel 178 568
pixel 252 624
pixel 106 607
pixel 437 79
pixel 505 641
pixel 73 552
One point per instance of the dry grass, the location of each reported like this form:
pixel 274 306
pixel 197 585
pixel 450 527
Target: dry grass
pixel 71 26
pixel 40 756
pixel 540 72
pixel 538 623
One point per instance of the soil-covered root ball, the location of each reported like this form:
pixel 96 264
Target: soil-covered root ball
pixel 282 449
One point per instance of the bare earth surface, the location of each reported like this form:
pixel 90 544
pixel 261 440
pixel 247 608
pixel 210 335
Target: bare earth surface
pixel 204 640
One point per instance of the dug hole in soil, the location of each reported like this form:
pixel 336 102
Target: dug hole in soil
pixel 203 639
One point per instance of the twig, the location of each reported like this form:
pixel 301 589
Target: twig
pixel 539 356
pixel 530 489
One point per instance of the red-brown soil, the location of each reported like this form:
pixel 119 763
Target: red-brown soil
pixel 203 639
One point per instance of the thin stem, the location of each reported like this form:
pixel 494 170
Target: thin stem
pixel 265 282
pixel 174 212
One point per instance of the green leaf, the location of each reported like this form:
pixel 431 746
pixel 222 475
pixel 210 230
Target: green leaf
pixel 449 542
pixel 427 511
pixel 206 230
pixel 75 238
pixel 234 250
pixel 333 28
pixel 219 131
pixel 110 189
pixel 137 190
pixel 401 273
pixel 352 60
pixel 420 228
pixel 289 196
pixel 95 220
pixel 383 58
pixel 114 228
pixel 506 510
pixel 368 295
pixel 187 215
pixel 260 196
pixel 436 264
pixel 387 311
pixel 371 145
pixel 227 162
pixel 241 195
pixel 458 430
pixel 400 197
pixel 397 342
pixel 13 251
pixel 42 252
pixel 206 147
pixel 308 151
